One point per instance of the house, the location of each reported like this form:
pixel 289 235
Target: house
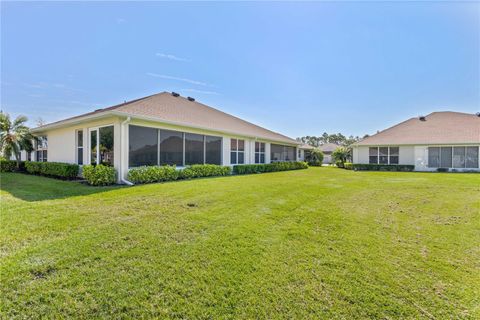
pixel 161 129
pixel 439 140
pixel 327 149
pixel 303 149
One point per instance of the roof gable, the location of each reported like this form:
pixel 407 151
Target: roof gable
pixel 438 128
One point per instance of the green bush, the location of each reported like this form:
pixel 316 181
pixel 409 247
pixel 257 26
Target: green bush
pixel 99 175
pixel 270 167
pixel 348 165
pixel 33 167
pixel 383 167
pixel 148 174
pixel 443 169
pixel 204 170
pixel 8 166
pixel 53 169
pixel 314 157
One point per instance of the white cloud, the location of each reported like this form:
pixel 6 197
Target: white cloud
pixel 177 79
pixel 170 57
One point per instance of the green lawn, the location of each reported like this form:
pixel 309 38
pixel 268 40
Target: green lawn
pixel 316 243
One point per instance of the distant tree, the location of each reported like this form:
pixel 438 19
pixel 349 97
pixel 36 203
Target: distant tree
pixel 336 138
pixel 314 157
pixel 15 136
pixel 40 122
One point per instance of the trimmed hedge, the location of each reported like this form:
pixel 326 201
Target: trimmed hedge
pixel 11 166
pixel 53 169
pixel 150 174
pixel 383 167
pixel 348 165
pixel 204 170
pixel 269 167
pixel 99 175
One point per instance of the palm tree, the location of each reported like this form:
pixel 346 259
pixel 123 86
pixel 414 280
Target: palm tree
pixel 14 136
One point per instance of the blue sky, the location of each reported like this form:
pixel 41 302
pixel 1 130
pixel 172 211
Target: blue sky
pixel 297 68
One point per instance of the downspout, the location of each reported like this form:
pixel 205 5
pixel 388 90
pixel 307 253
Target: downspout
pixel 122 131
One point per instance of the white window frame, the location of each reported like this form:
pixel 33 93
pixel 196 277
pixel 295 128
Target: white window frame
pixel 78 147
pixel 90 130
pixel 259 153
pixel 388 155
pixel 41 147
pixel 237 151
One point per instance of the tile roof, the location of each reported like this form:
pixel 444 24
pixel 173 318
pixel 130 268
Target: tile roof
pixel 328 147
pixel 438 128
pixel 181 111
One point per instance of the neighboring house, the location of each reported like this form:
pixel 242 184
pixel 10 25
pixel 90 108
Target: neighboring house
pixel 327 150
pixel 440 140
pixel 160 129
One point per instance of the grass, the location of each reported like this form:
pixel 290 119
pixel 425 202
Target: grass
pixel 316 243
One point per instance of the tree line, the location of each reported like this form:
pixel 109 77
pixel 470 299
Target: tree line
pixel 337 138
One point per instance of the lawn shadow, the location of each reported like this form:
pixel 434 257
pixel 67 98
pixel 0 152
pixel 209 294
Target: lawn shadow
pixel 36 188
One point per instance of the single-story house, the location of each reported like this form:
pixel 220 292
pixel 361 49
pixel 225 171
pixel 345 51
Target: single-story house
pixel 327 149
pixel 161 129
pixel 439 140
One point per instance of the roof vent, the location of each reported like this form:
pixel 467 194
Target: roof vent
pixel 422 118
pixel 175 94
pixel 98 110
pixel 190 99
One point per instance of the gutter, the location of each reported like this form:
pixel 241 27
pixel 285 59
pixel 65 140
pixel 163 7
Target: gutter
pixel 122 125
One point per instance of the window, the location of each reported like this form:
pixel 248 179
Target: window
pixel 151 146
pixel 394 155
pixel 171 147
pixel 373 155
pixel 237 151
pixel 213 150
pixel 259 152
pixel 41 150
pixel 453 157
pixel 194 148
pixel 282 153
pixel 143 146
pixel 101 145
pixel 79 147
pixel 383 155
pixel 471 157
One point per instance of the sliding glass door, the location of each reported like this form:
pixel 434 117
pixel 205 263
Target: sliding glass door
pixel 101 145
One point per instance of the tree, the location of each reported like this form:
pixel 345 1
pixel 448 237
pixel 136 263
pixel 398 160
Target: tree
pixel 314 157
pixel 341 155
pixel 14 136
pixel 336 138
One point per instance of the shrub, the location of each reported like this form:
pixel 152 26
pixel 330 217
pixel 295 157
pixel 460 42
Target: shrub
pixel 8 165
pixel 341 155
pixel 348 165
pixel 33 167
pixel 99 175
pixel 443 170
pixel 314 157
pixel 204 170
pixel 270 167
pixel 53 169
pixel 383 167
pixel 60 170
pixel 148 174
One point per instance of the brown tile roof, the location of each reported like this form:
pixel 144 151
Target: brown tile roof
pixel 181 111
pixel 438 128
pixel 305 146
